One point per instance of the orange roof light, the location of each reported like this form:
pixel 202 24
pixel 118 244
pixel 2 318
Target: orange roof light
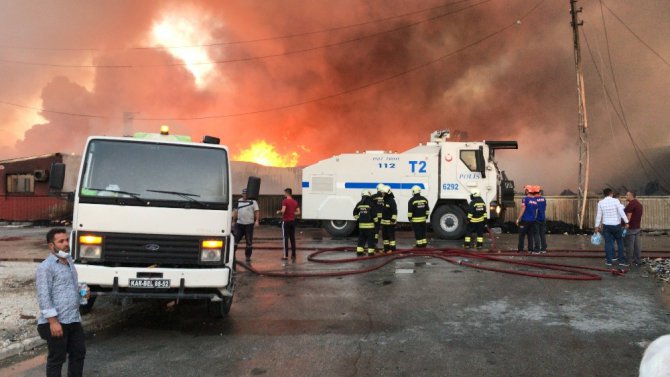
pixel 165 130
pixel 212 244
pixel 90 240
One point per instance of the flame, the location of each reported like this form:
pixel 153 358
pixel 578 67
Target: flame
pixel 181 28
pixel 264 153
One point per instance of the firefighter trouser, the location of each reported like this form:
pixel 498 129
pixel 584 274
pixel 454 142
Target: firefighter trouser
pixel 377 226
pixel 539 236
pixel 365 236
pixel 246 231
pixel 526 229
pixel 388 233
pixel 474 228
pixel 420 233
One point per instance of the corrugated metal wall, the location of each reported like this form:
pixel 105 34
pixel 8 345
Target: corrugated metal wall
pixel 34 208
pixel 564 208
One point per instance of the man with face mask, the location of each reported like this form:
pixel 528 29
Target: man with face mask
pixel 59 322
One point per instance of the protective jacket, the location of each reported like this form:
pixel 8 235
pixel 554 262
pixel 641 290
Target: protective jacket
pixel 378 200
pixel 418 209
pixel 390 210
pixel 477 210
pixel 365 213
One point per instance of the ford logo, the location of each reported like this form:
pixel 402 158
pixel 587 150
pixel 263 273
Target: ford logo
pixel 152 247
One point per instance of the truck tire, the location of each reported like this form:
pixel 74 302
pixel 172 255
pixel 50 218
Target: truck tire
pixel 85 309
pixel 448 222
pixel 339 228
pixel 219 309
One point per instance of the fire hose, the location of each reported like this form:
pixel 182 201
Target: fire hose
pixel 455 256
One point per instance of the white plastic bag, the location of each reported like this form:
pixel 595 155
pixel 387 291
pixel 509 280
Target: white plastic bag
pixel 596 239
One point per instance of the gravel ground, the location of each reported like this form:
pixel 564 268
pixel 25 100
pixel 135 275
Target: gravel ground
pixel 18 306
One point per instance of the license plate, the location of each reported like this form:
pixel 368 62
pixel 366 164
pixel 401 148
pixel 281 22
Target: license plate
pixel 149 283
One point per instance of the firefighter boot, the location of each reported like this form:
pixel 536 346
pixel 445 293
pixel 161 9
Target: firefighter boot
pixel 479 245
pixel 466 243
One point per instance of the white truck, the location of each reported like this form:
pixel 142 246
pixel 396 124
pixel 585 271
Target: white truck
pixel 446 172
pixel 152 219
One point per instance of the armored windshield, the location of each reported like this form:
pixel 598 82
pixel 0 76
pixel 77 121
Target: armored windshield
pixel 154 174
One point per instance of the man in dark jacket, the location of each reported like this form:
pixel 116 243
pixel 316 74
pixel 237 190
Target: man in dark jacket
pixel 476 220
pixel 378 200
pixel 389 219
pixel 366 216
pixel 418 211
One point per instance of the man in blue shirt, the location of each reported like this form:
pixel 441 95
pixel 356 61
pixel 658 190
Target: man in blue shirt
pixel 541 221
pixel 526 219
pixel 59 322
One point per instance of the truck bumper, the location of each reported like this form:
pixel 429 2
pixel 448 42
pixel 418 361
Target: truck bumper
pixel 184 283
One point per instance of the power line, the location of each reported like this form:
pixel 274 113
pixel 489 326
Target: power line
pixel 639 154
pixel 264 39
pixel 301 103
pixel 635 35
pixel 252 58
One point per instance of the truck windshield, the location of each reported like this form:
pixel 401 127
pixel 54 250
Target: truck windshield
pixel 154 174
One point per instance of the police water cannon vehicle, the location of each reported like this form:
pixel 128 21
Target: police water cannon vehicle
pixel 446 171
pixel 152 218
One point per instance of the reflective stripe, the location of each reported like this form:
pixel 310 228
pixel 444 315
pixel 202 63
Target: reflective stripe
pixel 419 219
pixel 366 226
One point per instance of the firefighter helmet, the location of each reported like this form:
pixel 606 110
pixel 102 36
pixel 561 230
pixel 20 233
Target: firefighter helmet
pixel 365 193
pixel 386 189
pixel 475 192
pixel 416 189
pixel 380 187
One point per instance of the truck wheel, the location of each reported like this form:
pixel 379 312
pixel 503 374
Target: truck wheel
pixel 339 228
pixel 219 309
pixel 448 222
pixel 85 309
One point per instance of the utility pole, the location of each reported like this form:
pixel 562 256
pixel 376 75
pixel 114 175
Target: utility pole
pixel 582 192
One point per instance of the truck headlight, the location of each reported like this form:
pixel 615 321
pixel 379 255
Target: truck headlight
pixel 90 246
pixel 211 250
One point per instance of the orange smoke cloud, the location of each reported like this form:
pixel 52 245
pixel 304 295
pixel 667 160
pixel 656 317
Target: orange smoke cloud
pixel 518 85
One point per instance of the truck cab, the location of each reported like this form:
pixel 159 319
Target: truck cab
pixel 152 219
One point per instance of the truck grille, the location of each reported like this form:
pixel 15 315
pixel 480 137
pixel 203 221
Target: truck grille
pixel 151 249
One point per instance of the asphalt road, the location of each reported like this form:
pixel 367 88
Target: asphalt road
pixel 440 320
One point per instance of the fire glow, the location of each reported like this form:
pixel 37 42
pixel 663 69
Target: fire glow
pixel 263 153
pixel 179 29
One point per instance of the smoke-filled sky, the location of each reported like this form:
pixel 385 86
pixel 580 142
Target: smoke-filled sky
pixel 319 78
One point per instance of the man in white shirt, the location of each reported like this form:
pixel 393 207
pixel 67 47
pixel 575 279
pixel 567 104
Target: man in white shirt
pixel 610 214
pixel 246 216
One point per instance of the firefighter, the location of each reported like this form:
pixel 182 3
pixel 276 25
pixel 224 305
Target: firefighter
pixel 540 220
pixel 417 213
pixel 526 220
pixel 389 219
pixel 366 216
pixel 378 200
pixel 476 220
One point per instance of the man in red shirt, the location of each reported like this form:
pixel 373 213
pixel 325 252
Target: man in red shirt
pixel 634 212
pixel 289 210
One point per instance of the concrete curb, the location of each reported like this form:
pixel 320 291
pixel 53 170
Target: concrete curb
pixel 91 322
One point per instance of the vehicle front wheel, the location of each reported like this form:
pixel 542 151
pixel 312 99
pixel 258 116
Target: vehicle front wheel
pixel 219 309
pixel 448 222
pixel 85 309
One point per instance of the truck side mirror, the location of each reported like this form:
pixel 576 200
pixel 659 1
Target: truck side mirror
pixel 57 176
pixel 481 162
pixel 253 187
